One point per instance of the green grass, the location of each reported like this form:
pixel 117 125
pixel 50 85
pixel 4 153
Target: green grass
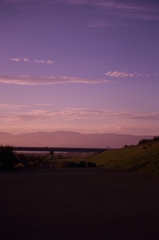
pixel 143 158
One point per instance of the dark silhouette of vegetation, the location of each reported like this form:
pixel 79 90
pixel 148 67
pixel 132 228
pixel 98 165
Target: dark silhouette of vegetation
pixel 31 160
pixel 7 158
pixel 82 164
pixel 147 141
pixel 156 138
pixel 90 165
pixel 144 141
pixel 72 165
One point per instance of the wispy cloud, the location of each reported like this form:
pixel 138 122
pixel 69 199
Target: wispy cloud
pixel 35 115
pixel 11 1
pixel 50 62
pixel 104 3
pixel 44 104
pixel 79 115
pixel 41 3
pixel 127 5
pixel 76 2
pixel 14 59
pixel 120 9
pixel 124 10
pixel 128 14
pixel 24 59
pixel 118 74
pixel 39 61
pixel 48 80
pixel 12 106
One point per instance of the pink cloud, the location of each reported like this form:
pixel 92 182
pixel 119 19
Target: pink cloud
pixel 79 114
pixel 48 80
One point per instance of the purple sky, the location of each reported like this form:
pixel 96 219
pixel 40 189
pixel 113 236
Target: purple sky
pixel 90 66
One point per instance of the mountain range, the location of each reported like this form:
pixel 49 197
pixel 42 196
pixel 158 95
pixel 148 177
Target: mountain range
pixel 70 139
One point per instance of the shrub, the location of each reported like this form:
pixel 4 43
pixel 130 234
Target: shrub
pixel 144 141
pixel 82 164
pixel 147 141
pixel 89 164
pixel 156 138
pixel 72 165
pixel 7 158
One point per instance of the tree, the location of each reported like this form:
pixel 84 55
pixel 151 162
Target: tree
pixel 156 138
pixel 144 141
pixel 7 158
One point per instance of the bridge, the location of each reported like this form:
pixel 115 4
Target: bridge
pixel 59 149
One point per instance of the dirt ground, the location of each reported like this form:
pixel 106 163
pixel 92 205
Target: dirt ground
pixel 78 204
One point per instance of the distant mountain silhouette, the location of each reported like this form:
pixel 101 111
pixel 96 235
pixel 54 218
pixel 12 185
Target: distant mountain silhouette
pixel 69 139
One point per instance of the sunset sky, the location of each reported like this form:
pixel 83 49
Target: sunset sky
pixel 90 66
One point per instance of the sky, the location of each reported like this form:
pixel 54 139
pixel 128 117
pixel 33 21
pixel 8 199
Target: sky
pixel 88 66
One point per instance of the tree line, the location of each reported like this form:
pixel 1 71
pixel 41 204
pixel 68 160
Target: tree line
pixel 145 141
pixel 8 158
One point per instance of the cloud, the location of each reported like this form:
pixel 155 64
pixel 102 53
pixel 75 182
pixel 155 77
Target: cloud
pixel 41 3
pixel 45 104
pixel 114 4
pixel 125 74
pixel 11 1
pixel 77 2
pixel 48 80
pixel 138 116
pixel 11 106
pixel 121 9
pixel 122 15
pixel 119 74
pixel 24 59
pixel 50 62
pixel 118 10
pixel 127 5
pixel 139 74
pixel 30 116
pixel 15 59
pixel 79 115
pixel 153 7
pixel 130 10
pixel 39 61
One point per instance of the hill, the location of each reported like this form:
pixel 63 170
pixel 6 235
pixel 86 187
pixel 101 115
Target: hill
pixel 69 139
pixel 141 158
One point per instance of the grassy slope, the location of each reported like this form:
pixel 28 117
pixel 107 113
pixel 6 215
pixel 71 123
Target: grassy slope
pixel 144 158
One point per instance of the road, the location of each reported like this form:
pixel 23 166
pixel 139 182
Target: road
pixel 78 204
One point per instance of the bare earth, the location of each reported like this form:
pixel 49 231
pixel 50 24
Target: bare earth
pixel 78 204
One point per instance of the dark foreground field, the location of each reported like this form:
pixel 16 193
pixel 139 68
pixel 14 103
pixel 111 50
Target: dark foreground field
pixel 79 204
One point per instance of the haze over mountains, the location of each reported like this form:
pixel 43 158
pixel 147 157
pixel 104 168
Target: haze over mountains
pixel 69 139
